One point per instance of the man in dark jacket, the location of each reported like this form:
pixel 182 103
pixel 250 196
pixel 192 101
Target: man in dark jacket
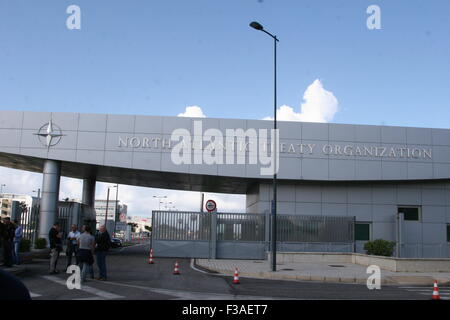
pixel 55 238
pixel 102 245
pixel 7 235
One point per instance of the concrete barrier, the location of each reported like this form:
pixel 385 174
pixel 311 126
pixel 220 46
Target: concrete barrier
pixel 387 263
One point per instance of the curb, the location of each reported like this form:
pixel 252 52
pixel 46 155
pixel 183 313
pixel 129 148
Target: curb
pixel 391 280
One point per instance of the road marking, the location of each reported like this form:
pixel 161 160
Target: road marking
pixel 426 290
pixel 97 292
pixel 190 295
pixel 34 295
pixel 431 288
pixel 427 294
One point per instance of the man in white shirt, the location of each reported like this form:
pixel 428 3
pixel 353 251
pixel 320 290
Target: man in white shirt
pixel 72 244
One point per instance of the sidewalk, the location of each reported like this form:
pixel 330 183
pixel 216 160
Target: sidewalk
pixel 320 271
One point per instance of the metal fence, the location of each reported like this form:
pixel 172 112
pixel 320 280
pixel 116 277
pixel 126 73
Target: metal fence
pixel 181 225
pixel 300 228
pixel 170 225
pixel 240 227
pixel 29 221
pixel 65 219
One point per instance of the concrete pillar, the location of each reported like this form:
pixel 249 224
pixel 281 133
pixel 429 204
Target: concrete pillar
pixel 50 195
pixel 88 197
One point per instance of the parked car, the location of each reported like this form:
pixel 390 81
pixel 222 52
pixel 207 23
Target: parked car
pixel 116 242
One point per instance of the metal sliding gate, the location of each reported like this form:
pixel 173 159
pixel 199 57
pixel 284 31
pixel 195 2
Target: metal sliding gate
pixel 245 236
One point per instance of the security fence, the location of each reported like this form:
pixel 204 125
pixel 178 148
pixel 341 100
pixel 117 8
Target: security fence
pixel 242 235
pixel 299 228
pixel 240 227
pixel 181 226
pixel 29 220
pixel 68 214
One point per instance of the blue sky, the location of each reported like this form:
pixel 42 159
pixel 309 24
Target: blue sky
pixel 157 57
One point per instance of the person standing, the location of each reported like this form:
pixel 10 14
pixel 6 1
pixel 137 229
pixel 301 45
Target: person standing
pixel 72 244
pixel 7 239
pixel 86 246
pixel 18 235
pixel 103 243
pixel 55 238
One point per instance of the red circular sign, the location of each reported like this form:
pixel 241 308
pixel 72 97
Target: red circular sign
pixel 210 205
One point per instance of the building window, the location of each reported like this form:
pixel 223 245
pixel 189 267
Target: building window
pixel 362 231
pixel 410 213
pixel 448 233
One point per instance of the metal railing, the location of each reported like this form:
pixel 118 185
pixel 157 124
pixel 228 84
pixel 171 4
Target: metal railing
pixel 29 221
pixel 300 228
pixel 240 227
pixel 176 225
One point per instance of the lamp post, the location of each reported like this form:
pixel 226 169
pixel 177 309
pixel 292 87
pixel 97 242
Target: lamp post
pixel 107 204
pixel 167 205
pixel 38 195
pixel 115 210
pixel 258 26
pixel 159 201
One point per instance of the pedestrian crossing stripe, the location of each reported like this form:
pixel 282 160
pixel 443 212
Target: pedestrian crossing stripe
pixel 34 295
pixel 98 293
pixel 427 290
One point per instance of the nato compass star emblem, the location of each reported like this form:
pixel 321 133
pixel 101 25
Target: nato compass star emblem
pixel 49 134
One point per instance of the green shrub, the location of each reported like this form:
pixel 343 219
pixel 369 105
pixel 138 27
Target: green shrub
pixel 40 243
pixel 25 245
pixel 380 247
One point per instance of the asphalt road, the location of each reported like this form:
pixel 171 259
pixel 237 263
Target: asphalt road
pixel 131 277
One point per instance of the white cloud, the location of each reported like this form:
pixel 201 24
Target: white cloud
pixel 319 105
pixel 140 200
pixel 18 181
pixel 193 111
pixel 24 182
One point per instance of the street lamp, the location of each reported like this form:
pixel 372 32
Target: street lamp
pixel 38 195
pixel 115 209
pixel 107 204
pixel 167 203
pixel 259 27
pixel 159 197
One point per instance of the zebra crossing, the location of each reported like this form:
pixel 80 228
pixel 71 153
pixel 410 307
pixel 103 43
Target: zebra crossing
pixel 34 295
pixel 444 292
pixel 87 292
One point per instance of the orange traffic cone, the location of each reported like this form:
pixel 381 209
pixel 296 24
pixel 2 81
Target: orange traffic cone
pixel 236 276
pixel 176 270
pixel 436 295
pixel 150 259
